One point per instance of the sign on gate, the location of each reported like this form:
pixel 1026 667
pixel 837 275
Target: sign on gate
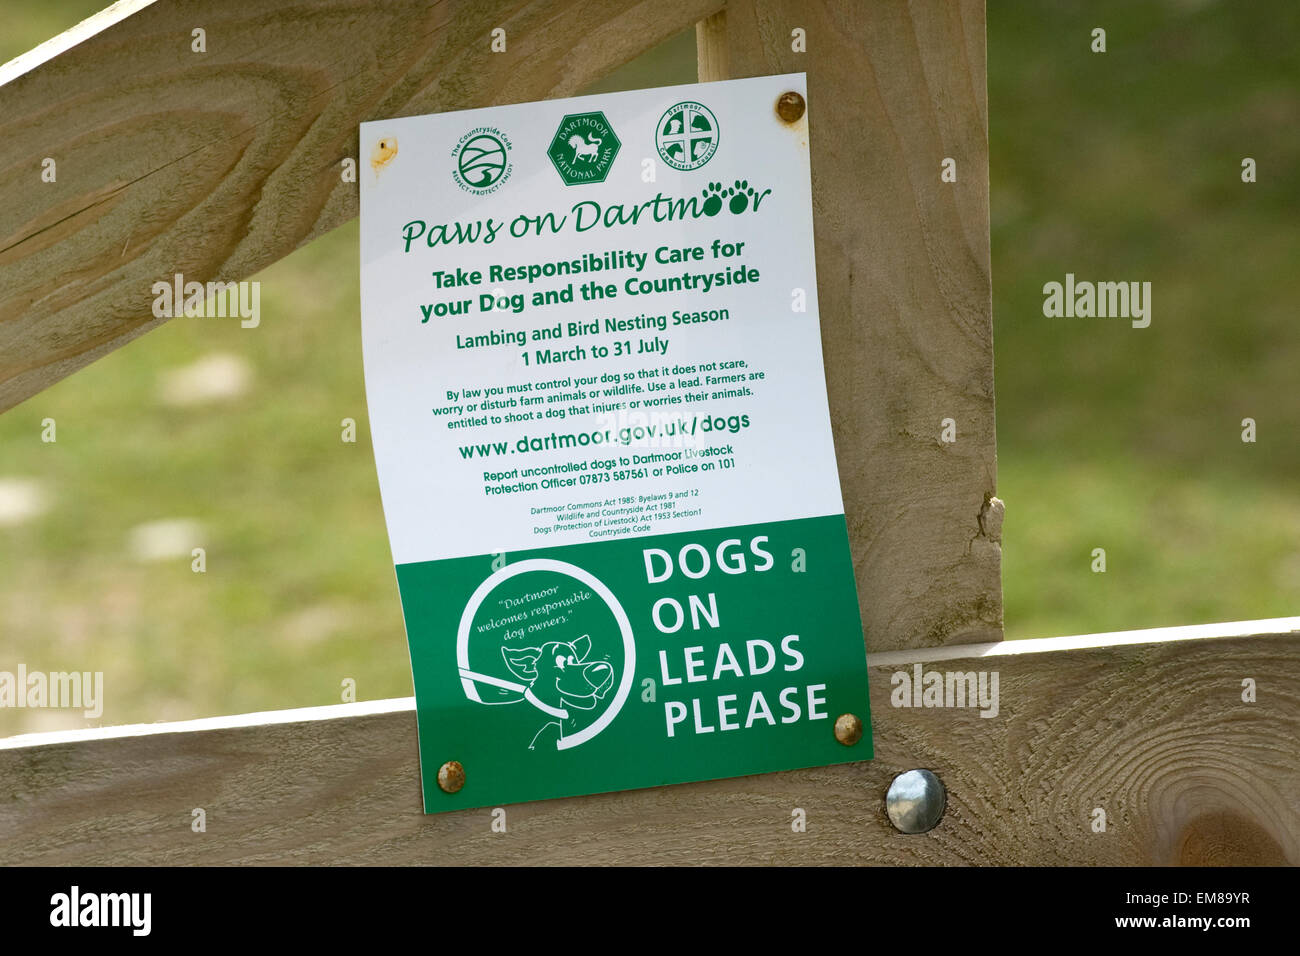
pixel 594 369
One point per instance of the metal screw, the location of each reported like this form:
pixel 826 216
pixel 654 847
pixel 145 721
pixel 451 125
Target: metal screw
pixel 790 107
pixel 451 776
pixel 915 801
pixel 848 729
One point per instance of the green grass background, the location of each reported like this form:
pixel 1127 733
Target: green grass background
pixel 1123 165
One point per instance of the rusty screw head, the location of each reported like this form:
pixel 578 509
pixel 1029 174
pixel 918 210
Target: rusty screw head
pixel 848 729
pixel 790 106
pixel 451 776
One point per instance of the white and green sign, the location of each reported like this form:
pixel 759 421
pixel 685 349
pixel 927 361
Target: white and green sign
pixel 598 404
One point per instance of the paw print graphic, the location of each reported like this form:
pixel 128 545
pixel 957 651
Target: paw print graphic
pixel 740 194
pixel 713 199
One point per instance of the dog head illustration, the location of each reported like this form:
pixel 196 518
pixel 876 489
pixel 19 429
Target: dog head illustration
pixel 559 675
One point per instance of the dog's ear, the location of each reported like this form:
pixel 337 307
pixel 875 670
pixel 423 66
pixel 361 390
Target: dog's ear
pixel 522 661
pixel 583 646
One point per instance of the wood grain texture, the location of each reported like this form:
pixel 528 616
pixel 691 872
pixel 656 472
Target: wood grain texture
pixel 217 164
pixel 904 286
pixel 711 48
pixel 1154 732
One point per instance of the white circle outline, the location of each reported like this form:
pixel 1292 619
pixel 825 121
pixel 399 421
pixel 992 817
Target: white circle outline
pixel 560 567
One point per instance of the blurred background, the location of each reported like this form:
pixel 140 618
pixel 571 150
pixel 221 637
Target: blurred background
pixel 1117 166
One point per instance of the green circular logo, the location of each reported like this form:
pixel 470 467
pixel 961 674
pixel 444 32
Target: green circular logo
pixel 687 135
pixel 551 638
pixel 482 160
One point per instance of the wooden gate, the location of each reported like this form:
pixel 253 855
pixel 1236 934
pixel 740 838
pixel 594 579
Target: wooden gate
pixel 218 170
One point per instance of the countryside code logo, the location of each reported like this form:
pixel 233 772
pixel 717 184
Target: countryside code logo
pixel 583 148
pixel 551 640
pixel 687 135
pixel 482 160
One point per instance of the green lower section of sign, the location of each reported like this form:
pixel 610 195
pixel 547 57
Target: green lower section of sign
pixel 638 662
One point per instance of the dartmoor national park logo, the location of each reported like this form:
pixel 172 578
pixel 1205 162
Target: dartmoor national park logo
pixel 687 135
pixel 583 148
pixel 482 160
pixel 551 639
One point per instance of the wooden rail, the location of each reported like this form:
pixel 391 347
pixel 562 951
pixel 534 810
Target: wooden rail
pixel 1149 726
pixel 217 164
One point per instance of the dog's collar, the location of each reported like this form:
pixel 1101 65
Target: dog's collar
pixel 545 707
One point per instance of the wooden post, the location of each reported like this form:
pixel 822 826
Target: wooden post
pixel 903 282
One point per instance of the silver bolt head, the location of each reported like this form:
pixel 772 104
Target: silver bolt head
pixel 915 801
